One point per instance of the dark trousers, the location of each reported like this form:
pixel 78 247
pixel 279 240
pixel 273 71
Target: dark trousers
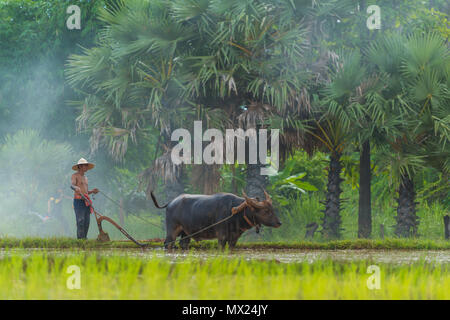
pixel 83 217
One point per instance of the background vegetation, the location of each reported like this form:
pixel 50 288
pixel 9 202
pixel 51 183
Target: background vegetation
pixel 113 91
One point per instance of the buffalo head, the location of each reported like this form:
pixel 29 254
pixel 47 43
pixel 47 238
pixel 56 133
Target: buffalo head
pixel 263 211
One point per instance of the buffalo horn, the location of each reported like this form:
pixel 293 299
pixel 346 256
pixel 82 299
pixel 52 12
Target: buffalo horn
pixel 252 202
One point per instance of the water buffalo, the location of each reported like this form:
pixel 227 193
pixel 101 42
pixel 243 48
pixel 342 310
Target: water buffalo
pixel 188 214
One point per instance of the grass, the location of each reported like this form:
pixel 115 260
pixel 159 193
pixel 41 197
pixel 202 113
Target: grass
pixel 69 243
pixel 308 208
pixel 44 276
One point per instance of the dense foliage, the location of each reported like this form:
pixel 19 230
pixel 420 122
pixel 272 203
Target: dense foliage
pixel 359 110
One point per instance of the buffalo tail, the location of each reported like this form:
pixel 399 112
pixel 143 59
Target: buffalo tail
pixel 156 202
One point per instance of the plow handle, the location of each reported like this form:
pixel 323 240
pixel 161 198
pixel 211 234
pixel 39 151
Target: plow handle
pixel 100 218
pixel 126 234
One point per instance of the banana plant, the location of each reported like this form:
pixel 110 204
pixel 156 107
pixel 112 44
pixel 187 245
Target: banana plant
pixel 288 183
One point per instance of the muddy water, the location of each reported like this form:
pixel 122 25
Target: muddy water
pixel 280 255
pixel 292 255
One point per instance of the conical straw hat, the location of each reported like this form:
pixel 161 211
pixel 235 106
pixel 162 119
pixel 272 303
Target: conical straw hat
pixel 83 161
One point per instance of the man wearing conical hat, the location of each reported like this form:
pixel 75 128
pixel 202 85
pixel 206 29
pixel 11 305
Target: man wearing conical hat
pixel 80 185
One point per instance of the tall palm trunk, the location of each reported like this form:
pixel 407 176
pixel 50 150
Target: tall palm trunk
pixel 364 209
pixel 407 221
pixel 256 183
pixel 233 179
pixel 331 224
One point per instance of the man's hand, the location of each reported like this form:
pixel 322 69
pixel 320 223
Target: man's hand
pixel 94 191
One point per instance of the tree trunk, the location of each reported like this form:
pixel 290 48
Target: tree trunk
pixel 256 183
pixel 331 226
pixel 447 227
pixel 407 221
pixel 233 181
pixel 364 209
pixel 310 230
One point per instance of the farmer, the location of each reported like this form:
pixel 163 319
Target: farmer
pixel 80 185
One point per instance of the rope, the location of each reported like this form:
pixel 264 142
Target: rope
pixel 118 204
pixel 234 211
pixel 201 230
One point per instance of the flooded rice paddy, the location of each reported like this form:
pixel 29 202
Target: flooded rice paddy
pixel 213 274
pixel 278 255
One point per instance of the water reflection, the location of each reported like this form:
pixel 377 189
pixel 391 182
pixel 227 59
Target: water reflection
pixel 279 255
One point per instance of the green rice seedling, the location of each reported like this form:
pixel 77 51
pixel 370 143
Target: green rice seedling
pixel 44 276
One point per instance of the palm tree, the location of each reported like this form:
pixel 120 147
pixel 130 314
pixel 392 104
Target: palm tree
pixel 166 63
pixel 131 84
pixel 417 95
pixel 345 121
pixel 252 65
pixel 302 128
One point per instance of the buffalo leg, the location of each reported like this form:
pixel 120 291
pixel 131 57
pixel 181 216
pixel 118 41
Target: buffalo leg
pixel 222 243
pixel 168 243
pixel 232 243
pixel 171 236
pixel 184 243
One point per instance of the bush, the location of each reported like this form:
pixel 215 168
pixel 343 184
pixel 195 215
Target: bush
pixel 32 170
